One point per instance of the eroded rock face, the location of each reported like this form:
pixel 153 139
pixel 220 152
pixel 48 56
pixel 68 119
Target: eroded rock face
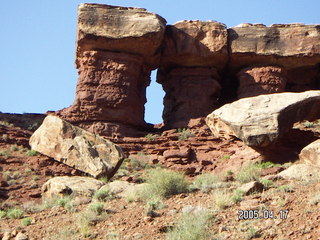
pixel 192 54
pixel 311 154
pixel 117 48
pixel 76 147
pixel 260 121
pixel 256 81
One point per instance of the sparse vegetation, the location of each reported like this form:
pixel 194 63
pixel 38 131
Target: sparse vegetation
pixel 237 196
pixel 151 137
pixel 5 137
pixel 266 183
pixel 15 213
pixel 225 157
pixel 26 221
pixel 3 214
pixel 253 233
pixel 248 173
pixel 5 153
pixel 184 134
pixel 222 198
pixel 96 207
pixel 206 182
pixel 14 148
pixel 102 195
pixel 285 188
pixel 32 152
pixel 191 226
pixel 267 164
pixel 308 124
pixel 315 200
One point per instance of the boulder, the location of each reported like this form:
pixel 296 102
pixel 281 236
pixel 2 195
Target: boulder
pixel 259 121
pixel 311 154
pixel 195 43
pixel 251 187
pixel 123 188
pixel 75 186
pixel 120 29
pixel 301 172
pixel 76 147
pixel 288 45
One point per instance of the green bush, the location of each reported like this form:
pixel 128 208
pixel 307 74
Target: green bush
pixel 237 196
pixel 191 226
pixel 248 173
pixel 96 207
pixel 184 134
pixel 102 195
pixel 206 182
pixel 267 183
pixel 3 214
pixel 151 137
pixel 165 183
pixel 285 188
pixel 32 153
pixel 26 221
pixel 15 213
pixel 222 199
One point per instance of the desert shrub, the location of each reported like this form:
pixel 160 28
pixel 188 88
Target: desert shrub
pixel 112 235
pixel 191 226
pixel 267 164
pixel 64 202
pixel 31 153
pixel 206 182
pixel 26 221
pixel 5 137
pixel 164 183
pixel 184 134
pixel 15 213
pixel 248 173
pixel 151 137
pixel 225 157
pixel 96 207
pixel 267 183
pixel 222 199
pixel 152 205
pixel 3 214
pixel 5 153
pixel 14 148
pixel 285 188
pixel 102 195
pixel 237 196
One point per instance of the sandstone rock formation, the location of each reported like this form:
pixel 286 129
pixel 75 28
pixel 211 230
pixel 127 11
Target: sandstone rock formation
pixel 260 121
pixel 192 54
pixel 117 48
pixel 76 147
pixel 311 154
pixel 301 172
pixel 74 186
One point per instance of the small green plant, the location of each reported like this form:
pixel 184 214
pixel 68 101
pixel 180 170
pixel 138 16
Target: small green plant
pixel 5 153
pixel 222 199
pixel 26 221
pixel 102 195
pixel 15 213
pixel 248 173
pixel 206 182
pixel 112 235
pixel 96 207
pixel 3 214
pixel 152 205
pixel 151 137
pixel 137 164
pixel 285 188
pixel 34 126
pixel 191 226
pixel 164 183
pixel 253 233
pixel 267 183
pixel 32 152
pixel 308 124
pixel 225 157
pixel 63 202
pixel 237 196
pixel 267 164
pixel 14 148
pixel 184 134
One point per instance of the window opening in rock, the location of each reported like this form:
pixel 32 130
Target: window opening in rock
pixel 154 105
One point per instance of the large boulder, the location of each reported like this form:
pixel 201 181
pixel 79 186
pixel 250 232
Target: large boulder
pixel 75 186
pixel 76 147
pixel 288 45
pixel 119 29
pixel 260 121
pixel 301 172
pixel 311 153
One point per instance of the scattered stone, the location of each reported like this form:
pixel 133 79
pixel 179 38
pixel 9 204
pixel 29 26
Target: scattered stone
pixel 76 147
pixel 21 236
pixel 251 187
pixel 311 153
pixel 74 186
pixel 301 172
pixel 260 121
pixel 6 236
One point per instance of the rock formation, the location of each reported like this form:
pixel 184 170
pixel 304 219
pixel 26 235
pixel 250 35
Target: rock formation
pixel 311 154
pixel 76 147
pixel 117 48
pixel 201 65
pixel 193 52
pixel 260 121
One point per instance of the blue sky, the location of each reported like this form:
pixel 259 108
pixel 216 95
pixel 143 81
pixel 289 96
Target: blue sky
pixel 37 43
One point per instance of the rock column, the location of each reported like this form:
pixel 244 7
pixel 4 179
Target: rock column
pixel 193 54
pixel 117 48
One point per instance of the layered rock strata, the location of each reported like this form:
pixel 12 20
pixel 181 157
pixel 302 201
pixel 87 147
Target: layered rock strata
pixel 193 53
pixel 117 48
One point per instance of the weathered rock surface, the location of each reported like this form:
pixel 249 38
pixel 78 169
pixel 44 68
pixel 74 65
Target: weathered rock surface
pixel 260 121
pixel 74 186
pixel 117 48
pixel 195 44
pixel 76 147
pixel 119 29
pixel 301 172
pixel 288 45
pixel 256 81
pixel 311 154
pixel 123 188
pixel 251 187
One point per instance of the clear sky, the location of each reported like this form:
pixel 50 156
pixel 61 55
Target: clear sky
pixel 37 43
